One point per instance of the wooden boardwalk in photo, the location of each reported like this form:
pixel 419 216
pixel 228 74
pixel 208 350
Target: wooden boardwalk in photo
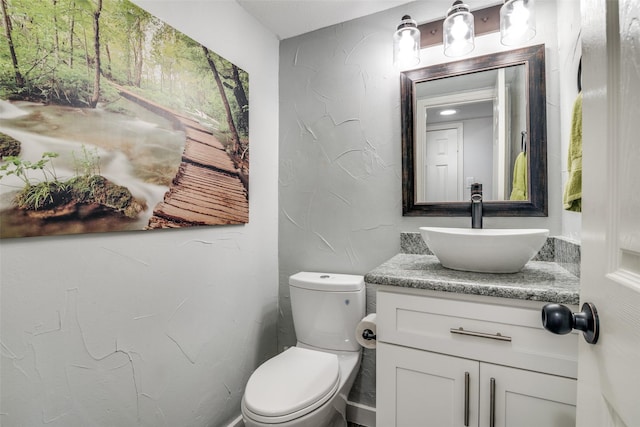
pixel 208 189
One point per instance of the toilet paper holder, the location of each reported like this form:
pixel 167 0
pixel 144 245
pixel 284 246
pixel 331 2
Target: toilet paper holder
pixel 366 331
pixel 368 335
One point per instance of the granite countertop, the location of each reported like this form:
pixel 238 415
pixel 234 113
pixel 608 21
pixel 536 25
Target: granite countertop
pixel 537 281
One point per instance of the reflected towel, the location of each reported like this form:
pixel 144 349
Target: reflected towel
pixel 519 190
pixel 572 198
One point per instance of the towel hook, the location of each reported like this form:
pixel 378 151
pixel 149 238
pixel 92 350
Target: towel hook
pixel 580 75
pixel 523 141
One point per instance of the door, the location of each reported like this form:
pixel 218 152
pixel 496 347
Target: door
pixel 443 163
pixel 521 398
pixel 419 388
pixel 609 371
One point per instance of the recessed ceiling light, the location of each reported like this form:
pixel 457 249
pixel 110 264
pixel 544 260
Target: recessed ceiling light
pixel 448 112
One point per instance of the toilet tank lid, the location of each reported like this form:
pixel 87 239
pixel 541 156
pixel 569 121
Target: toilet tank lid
pixel 327 281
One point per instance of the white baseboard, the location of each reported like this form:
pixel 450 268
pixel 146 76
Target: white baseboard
pixel 361 414
pixel 356 413
pixel 237 422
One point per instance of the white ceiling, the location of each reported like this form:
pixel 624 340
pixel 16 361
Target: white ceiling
pixel 290 18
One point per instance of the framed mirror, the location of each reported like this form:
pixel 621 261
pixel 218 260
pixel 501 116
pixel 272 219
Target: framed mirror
pixel 479 120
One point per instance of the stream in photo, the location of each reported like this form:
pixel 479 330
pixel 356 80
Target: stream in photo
pixel 137 149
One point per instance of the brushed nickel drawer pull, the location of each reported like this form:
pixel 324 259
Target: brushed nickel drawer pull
pixel 466 399
pixel 498 336
pixel 492 402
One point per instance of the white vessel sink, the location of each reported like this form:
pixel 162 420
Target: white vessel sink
pixel 484 250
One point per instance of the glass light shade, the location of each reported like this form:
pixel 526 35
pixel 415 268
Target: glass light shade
pixel 517 22
pixel 406 43
pixel 458 30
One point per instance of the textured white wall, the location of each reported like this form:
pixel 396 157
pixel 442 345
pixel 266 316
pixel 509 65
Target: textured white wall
pixel 157 328
pixel 340 159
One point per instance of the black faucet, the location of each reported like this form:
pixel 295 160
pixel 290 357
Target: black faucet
pixel 476 205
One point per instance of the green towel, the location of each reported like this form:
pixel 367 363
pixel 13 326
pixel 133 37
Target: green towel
pixel 572 198
pixel 519 190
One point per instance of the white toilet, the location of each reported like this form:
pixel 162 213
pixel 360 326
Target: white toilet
pixel 307 385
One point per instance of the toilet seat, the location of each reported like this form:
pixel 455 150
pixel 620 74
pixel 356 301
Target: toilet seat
pixel 291 384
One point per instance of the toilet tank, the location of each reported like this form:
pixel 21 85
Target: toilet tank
pixel 326 309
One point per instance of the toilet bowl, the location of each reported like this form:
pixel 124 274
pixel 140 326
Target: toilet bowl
pixel 300 387
pixel 308 385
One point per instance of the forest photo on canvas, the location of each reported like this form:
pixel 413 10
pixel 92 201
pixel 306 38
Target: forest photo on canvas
pixel 112 120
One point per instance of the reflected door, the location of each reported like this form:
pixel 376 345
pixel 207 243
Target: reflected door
pixel 441 160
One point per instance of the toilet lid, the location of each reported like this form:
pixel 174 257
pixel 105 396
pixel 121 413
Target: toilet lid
pixel 291 382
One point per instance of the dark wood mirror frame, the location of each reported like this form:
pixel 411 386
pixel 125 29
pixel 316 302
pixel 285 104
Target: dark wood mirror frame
pixel 533 60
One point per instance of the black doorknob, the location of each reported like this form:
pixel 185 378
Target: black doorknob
pixel 559 319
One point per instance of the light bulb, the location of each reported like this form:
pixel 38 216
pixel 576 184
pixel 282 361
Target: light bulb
pixel 406 43
pixel 520 14
pixel 517 22
pixel 458 30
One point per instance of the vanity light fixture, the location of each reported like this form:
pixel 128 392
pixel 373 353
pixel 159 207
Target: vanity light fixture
pixel 517 22
pixel 458 30
pixel 450 112
pixel 515 19
pixel 406 43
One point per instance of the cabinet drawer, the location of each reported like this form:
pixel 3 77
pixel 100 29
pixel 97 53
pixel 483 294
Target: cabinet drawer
pixel 485 331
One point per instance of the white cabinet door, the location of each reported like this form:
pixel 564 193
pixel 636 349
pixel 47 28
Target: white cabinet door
pixel 417 388
pixel 525 398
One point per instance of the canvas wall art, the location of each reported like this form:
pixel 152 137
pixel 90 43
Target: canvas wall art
pixel 112 120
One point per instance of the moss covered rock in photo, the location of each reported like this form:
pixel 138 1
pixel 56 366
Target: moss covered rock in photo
pixel 81 196
pixel 8 146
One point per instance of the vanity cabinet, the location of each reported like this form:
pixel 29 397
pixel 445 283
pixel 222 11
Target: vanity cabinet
pixel 458 360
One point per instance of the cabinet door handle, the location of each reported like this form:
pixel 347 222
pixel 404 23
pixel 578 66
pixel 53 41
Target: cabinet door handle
pixel 498 336
pixel 492 402
pixel 466 399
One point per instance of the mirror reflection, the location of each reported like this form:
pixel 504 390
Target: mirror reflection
pixel 471 129
pixel 480 120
